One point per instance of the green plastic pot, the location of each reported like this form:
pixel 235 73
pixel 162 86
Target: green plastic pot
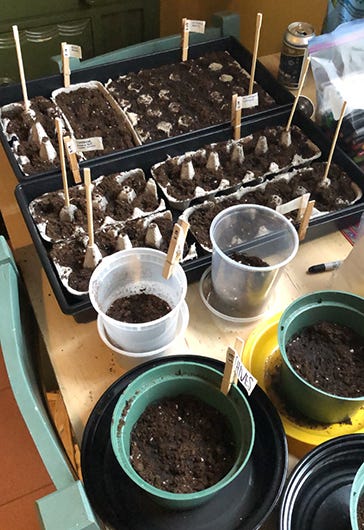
pixel 357 490
pixel 335 306
pixel 172 379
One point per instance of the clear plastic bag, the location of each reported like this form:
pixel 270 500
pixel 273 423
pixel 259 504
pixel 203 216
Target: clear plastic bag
pixel 337 61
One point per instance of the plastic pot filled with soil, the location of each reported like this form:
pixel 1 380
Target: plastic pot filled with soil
pixel 138 307
pixel 357 500
pixel 251 244
pixel 178 437
pixel 321 339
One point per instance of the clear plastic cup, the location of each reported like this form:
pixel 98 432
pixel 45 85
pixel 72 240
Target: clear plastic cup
pixel 240 290
pixel 130 272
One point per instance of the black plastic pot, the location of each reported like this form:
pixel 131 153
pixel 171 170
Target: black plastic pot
pixel 243 505
pixel 317 495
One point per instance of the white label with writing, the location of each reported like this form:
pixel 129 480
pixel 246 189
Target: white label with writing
pixel 85 144
pixel 245 102
pixel 245 377
pixel 195 26
pixel 72 50
pixel 294 204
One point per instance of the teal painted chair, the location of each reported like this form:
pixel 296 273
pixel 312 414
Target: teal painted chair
pixel 67 508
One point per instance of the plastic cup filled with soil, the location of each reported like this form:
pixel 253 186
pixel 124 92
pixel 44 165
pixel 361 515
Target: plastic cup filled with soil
pixel 251 245
pixel 321 341
pixel 178 437
pixel 139 308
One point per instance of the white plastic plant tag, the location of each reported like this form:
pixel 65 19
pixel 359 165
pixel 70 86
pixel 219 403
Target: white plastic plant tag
pixel 84 144
pixel 245 377
pixel 72 50
pixel 89 144
pixel 246 102
pixel 195 26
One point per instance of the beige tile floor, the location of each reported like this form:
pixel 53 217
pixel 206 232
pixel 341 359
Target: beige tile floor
pixel 23 477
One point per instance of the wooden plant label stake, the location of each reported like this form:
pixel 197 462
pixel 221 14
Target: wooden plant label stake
pixel 333 145
pixel 62 160
pixel 196 26
pixel 175 249
pixel 239 348
pixel 21 68
pixel 72 50
pixel 300 86
pixel 233 108
pixel 228 371
pixel 65 65
pixel 237 118
pixel 90 222
pixel 258 25
pixel 305 220
pixel 72 159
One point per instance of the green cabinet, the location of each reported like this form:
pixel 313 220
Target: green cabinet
pixel 98 26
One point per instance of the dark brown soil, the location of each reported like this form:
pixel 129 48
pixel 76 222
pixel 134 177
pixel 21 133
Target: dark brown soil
pixel 232 173
pixel 273 385
pixel 360 512
pixel 138 308
pixel 163 107
pixel 252 261
pixel 182 445
pixel 90 114
pixel 20 125
pixel 72 253
pixel 329 356
pixel 328 199
pixel 47 208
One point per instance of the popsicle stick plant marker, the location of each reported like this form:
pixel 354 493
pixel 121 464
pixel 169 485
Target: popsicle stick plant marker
pixel 72 159
pixel 196 26
pixel 228 371
pixel 325 180
pixel 305 220
pixel 67 51
pixel 236 116
pixel 175 249
pixel 258 25
pixel 286 136
pixel 21 68
pixel 67 213
pixel 239 348
pixel 93 255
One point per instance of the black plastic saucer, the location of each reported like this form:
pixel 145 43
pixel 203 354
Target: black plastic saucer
pixel 243 505
pixel 317 495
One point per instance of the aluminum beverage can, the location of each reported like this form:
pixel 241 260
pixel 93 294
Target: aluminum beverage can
pixel 294 49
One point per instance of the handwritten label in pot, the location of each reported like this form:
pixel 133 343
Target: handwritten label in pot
pixel 245 377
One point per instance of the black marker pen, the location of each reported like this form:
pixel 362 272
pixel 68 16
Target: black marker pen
pixel 323 267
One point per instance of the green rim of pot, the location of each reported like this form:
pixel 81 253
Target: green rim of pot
pixel 304 311
pixel 357 490
pixel 172 379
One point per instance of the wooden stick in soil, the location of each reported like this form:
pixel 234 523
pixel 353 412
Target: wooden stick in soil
pixel 67 213
pixel 228 371
pixel 258 25
pixel 239 348
pixel 65 65
pixel 72 160
pixel 333 145
pixel 300 86
pixel 185 40
pixel 235 117
pixel 93 255
pixel 305 220
pixel 21 68
pixel 175 249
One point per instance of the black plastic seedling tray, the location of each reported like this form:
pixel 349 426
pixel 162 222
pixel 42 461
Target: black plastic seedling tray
pixel 45 86
pixel 145 157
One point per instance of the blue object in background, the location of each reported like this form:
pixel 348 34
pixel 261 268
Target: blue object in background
pixel 339 11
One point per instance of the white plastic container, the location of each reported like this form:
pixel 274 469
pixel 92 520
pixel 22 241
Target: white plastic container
pixel 131 272
pixel 243 291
